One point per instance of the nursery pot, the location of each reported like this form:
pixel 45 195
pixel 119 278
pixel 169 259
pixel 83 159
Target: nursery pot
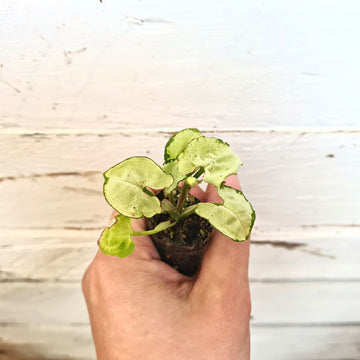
pixel 183 245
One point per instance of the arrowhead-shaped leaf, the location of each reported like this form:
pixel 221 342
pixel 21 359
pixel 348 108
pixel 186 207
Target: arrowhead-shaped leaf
pixel 178 142
pixel 213 155
pixel 117 240
pixel 235 218
pixel 172 168
pixel 125 186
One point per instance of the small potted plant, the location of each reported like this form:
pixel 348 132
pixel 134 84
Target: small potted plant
pixel 178 223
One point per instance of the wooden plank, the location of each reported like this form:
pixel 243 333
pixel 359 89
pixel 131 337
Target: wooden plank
pixel 49 264
pixel 46 343
pixel 308 254
pixel 61 202
pixel 281 303
pixel 306 303
pixel 292 179
pixel 72 237
pixel 305 343
pixel 306 257
pixel 248 64
pixel 36 304
pixel 284 343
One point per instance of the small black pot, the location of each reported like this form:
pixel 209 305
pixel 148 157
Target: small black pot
pixel 183 245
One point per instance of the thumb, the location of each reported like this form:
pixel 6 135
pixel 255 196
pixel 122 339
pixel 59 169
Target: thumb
pixel 225 263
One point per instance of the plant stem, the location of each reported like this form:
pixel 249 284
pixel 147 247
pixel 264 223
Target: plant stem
pixel 153 231
pixel 182 197
pixel 172 197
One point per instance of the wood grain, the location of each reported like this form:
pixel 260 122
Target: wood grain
pixel 292 179
pixel 305 343
pixel 142 65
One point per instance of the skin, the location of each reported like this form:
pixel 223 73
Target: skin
pixel 141 308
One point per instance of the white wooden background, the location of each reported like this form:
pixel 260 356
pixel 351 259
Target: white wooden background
pixel 85 84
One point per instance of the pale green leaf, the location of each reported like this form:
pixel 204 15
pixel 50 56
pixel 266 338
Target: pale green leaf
pixel 213 155
pixel 117 240
pixel 168 206
pixel 178 142
pixel 234 218
pixel 236 201
pixel 223 219
pixel 125 186
pixel 172 168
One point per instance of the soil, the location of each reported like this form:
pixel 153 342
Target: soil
pixel 183 245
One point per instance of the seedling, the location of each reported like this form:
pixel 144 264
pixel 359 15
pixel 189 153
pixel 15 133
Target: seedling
pixel 132 188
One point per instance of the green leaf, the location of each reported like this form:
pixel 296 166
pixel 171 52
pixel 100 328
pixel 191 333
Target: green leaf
pixel 236 201
pixel 168 206
pixel 234 218
pixel 172 168
pixel 213 155
pixel 178 142
pixel 125 186
pixel 117 240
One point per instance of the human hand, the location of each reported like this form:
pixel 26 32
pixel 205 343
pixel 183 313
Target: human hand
pixel 141 308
